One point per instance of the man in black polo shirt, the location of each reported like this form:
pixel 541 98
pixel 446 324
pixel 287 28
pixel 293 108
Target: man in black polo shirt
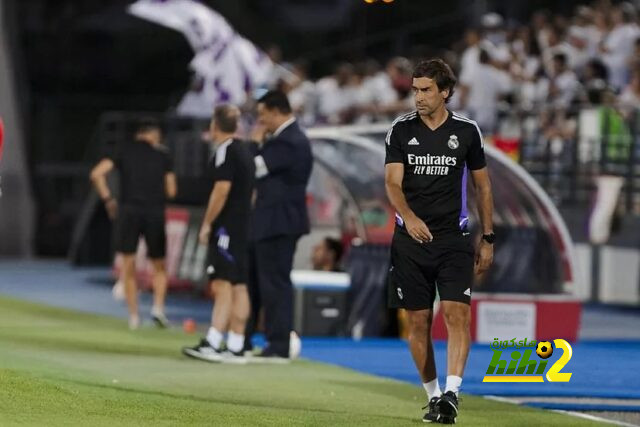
pixel 146 181
pixel 283 167
pixel 225 229
pixel 430 154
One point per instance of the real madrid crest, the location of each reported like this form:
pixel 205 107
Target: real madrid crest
pixel 453 142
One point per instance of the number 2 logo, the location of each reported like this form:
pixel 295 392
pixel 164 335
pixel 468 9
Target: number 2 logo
pixel 554 374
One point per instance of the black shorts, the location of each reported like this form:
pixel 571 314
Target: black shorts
pixel 228 255
pixel 418 269
pixel 134 222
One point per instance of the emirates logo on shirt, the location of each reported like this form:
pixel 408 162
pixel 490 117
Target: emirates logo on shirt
pixel 431 165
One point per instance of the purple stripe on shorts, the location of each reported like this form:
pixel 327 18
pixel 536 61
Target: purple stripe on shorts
pixel 464 215
pixel 224 250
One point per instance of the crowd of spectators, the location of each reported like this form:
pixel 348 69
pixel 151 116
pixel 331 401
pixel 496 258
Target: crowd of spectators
pixel 549 66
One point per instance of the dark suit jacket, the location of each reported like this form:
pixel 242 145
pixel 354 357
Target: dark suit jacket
pixel 281 207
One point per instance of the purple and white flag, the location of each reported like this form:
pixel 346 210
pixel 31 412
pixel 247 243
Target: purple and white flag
pixel 228 65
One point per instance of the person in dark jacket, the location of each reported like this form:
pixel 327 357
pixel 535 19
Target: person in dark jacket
pixel 283 166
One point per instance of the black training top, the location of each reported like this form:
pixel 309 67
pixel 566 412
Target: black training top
pixel 142 170
pixel 233 161
pixel 435 168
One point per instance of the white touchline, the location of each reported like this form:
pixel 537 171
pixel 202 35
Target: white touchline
pixel 594 418
pixel 572 413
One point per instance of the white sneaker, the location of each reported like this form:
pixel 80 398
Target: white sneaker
pixel 117 292
pixel 134 322
pixel 295 345
pixel 234 358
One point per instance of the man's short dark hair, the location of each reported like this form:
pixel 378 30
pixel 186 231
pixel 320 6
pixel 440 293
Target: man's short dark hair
pixel 599 69
pixel 276 99
pixel 484 57
pixel 146 124
pixel 560 58
pixel 438 70
pixel 226 117
pixel 335 246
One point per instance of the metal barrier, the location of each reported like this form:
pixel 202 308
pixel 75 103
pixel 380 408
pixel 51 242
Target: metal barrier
pixel 602 141
pixel 566 162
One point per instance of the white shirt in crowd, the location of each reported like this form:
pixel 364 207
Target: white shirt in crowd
pixel 303 101
pixel 629 99
pixel 619 45
pixel 567 86
pixel 485 84
pixel 332 99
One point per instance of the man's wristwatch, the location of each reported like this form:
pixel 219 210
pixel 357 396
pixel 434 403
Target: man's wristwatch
pixel 489 238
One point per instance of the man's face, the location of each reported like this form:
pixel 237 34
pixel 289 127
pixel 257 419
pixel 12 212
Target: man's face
pixel 558 67
pixel 320 255
pixel 471 38
pixel 267 118
pixel 616 17
pixel 152 136
pixel 427 96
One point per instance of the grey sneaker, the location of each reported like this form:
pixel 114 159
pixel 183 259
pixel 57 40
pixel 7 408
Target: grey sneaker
pixel 160 319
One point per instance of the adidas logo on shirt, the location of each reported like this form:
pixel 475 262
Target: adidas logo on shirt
pixel 413 141
pixel 468 292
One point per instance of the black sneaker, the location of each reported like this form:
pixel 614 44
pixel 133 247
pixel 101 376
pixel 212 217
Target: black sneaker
pixel 447 407
pixel 203 351
pixel 432 415
pixel 269 356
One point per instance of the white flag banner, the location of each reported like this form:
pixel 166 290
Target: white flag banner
pixel 228 64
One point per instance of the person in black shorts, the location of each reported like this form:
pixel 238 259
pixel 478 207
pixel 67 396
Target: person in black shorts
pixel 430 154
pixel 146 181
pixel 225 229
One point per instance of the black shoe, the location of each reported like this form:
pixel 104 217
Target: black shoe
pixel 269 356
pixel 432 415
pixel 447 407
pixel 203 351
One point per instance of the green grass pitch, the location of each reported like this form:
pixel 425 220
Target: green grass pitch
pixel 61 368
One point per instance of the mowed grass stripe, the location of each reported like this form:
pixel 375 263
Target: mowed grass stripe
pixel 59 367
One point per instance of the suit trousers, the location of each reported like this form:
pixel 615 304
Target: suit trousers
pixel 270 287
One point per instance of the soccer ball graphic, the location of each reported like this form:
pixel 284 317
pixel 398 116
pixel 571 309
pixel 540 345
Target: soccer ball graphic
pixel 544 349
